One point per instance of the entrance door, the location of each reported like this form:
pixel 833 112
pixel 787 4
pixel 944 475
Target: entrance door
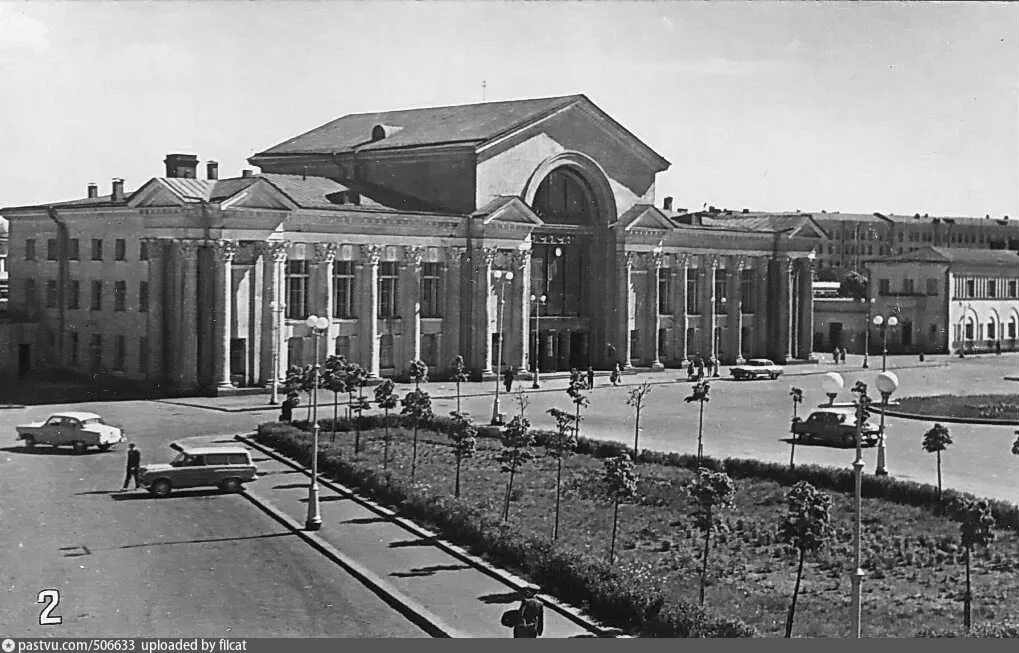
pixel 834 335
pixel 238 360
pixel 579 357
pixel 24 359
pixel 907 335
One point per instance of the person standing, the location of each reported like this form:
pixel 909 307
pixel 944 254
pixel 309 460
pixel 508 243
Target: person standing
pixel 614 377
pixel 134 463
pixel 590 377
pixel 508 377
pixel 532 615
pixel 287 410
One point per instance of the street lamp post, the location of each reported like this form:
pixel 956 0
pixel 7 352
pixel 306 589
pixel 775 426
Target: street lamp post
pixel 857 579
pixel 318 325
pixel 866 337
pixel 501 277
pixel 887 383
pixel 883 324
pixel 538 301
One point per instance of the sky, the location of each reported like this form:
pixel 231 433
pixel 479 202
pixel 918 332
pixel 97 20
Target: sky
pixel 853 107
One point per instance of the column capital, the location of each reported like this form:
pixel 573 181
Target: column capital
pixel 683 259
pixel 413 255
pixel 741 263
pixel 326 253
pixel 655 261
pixel 456 255
pixel 187 248
pixel 629 259
pixel 226 250
pixel 372 254
pixel 714 261
pixel 488 254
pixel 521 259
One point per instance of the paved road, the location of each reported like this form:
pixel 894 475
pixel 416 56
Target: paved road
pixel 197 564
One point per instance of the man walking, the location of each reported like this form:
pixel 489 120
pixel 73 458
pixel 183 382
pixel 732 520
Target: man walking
pixel 508 377
pixel 134 461
pixel 590 377
pixel 532 615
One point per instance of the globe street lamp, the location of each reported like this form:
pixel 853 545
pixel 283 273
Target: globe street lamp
pixel 887 383
pixel 832 384
pixel 862 401
pixel 538 302
pixel 883 324
pixel 501 278
pixel 318 325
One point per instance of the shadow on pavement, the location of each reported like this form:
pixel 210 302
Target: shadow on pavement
pixel 409 543
pixel 290 486
pixel 428 571
pixel 365 520
pixel 202 541
pixel 46 450
pixel 500 598
pixel 326 499
pixel 826 445
pixel 84 494
pixel 140 495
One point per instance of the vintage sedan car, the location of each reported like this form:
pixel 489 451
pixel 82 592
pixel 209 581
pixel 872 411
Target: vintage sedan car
pixel 834 426
pixel 756 368
pixel 225 467
pixel 79 430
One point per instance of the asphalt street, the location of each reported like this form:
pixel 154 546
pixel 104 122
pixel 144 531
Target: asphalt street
pixel 200 563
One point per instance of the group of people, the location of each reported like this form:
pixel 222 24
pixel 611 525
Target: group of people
pixel 698 368
pixel 839 354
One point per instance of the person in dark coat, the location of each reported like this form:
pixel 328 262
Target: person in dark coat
pixel 287 409
pixel 590 377
pixel 508 377
pixel 532 615
pixel 614 377
pixel 690 370
pixel 134 463
pixel 843 355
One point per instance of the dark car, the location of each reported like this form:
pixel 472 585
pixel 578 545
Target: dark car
pixel 834 426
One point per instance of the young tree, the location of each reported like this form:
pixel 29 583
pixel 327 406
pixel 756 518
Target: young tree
pixel 620 480
pixel 935 441
pixel 460 376
pixel 385 398
pixel 418 373
pixel 464 435
pixel 517 441
pixel 559 445
pixel 711 492
pixel 577 390
pixel 636 400
pixel 307 384
pixel 806 526
pixel 417 407
pixel 357 378
pixel 976 529
pixel 292 380
pixel 853 285
pixel 334 379
pixel 797 397
pixel 1015 452
pixel 700 393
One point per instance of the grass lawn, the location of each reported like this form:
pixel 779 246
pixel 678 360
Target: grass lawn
pixel 1000 406
pixel 915 576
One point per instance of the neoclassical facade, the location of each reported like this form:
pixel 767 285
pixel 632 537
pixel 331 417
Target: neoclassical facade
pixel 513 233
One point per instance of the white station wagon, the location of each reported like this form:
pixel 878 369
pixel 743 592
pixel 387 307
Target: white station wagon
pixel 79 430
pixel 756 368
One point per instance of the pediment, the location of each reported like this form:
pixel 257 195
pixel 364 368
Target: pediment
pixel 510 210
pixel 644 216
pixel 809 229
pixel 154 194
pixel 261 195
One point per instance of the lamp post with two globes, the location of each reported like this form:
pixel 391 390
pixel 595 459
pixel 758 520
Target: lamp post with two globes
pixel 887 383
pixel 318 326
pixel 884 324
pixel 501 277
pixel 539 301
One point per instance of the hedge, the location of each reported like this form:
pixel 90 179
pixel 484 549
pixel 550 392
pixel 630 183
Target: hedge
pixel 910 493
pixel 611 595
pixel 1002 630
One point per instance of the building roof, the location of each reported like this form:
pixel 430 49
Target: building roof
pixel 964 255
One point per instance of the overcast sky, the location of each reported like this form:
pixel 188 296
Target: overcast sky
pixel 889 107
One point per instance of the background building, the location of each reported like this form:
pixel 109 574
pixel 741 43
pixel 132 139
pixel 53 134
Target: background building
pixel 400 228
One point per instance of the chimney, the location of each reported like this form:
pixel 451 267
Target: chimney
pixel 118 190
pixel 182 166
pixel 247 172
pixel 746 210
pixel 667 204
pixel 212 171
pixel 93 191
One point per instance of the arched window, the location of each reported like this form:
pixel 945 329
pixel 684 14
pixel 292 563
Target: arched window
pixel 564 197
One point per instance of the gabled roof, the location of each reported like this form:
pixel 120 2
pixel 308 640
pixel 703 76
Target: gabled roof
pixel 792 224
pixel 643 216
pixel 508 208
pixel 84 202
pixel 964 255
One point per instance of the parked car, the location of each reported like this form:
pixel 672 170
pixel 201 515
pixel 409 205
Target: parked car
pixel 834 426
pixel 79 430
pixel 756 368
pixel 225 467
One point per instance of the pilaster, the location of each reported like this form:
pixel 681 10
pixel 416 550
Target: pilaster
pixel 805 268
pixel 371 255
pixel 654 320
pixel 187 252
pixel 410 303
pixel 452 280
pixel 155 331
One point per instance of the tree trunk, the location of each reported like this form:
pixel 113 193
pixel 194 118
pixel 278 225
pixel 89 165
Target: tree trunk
pixel 792 454
pixel 967 600
pixel 414 453
pixel 458 396
pixel 456 489
pixel 336 407
pixel 636 433
pixel 558 486
pixel 509 492
pixel 939 476
pixel 615 524
pixel 385 453
pixel 700 434
pixel 576 424
pixel 796 592
pixel 357 422
pixel 704 563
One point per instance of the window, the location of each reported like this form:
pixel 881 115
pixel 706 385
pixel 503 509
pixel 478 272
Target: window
pixel 120 249
pixel 297 289
pixel 908 286
pixel 343 289
pixel 430 349
pixel 143 354
pixel 990 329
pixel 72 249
pixel 1012 329
pixel 74 294
pixel 73 345
pixel 386 350
pixel 665 291
pixel 51 293
pixel 143 296
pixel 30 249
pixel 342 347
pixel 884 286
pixel 388 288
pixel 120 296
pixel 746 290
pixel 634 342
pixel 969 329
pixel 430 305
pixel 95 349
pixel 143 250
pixel 932 286
pixel 97 296
pixel 992 288
pixel 1013 289
pixel 721 285
pixel 97 249
pixel 51 249
pixel 971 288
pixel 693 291
pixel 30 297
pixel 119 353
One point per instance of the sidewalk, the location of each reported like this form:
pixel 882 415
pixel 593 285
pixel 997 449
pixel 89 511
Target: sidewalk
pixel 458 595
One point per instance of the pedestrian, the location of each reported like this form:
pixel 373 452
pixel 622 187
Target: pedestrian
pixel 690 371
pixel 997 347
pixel 614 377
pixel 700 368
pixel 713 365
pixel 508 377
pixel 532 615
pixel 134 463
pixel 287 409
pixel 590 377
pixel 835 354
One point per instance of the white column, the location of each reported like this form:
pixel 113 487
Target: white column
pixel 325 255
pixel 225 252
pixel 522 280
pixel 413 256
pixel 735 320
pixel 490 314
pixel 710 320
pixel 370 257
pixel 682 322
pixel 625 263
pixel 654 320
pixel 278 255
pixel 452 277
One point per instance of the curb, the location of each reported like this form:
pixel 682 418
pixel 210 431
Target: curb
pixel 409 608
pixel 949 419
pixel 515 582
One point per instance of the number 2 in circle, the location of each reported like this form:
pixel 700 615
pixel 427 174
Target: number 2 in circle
pixel 51 598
